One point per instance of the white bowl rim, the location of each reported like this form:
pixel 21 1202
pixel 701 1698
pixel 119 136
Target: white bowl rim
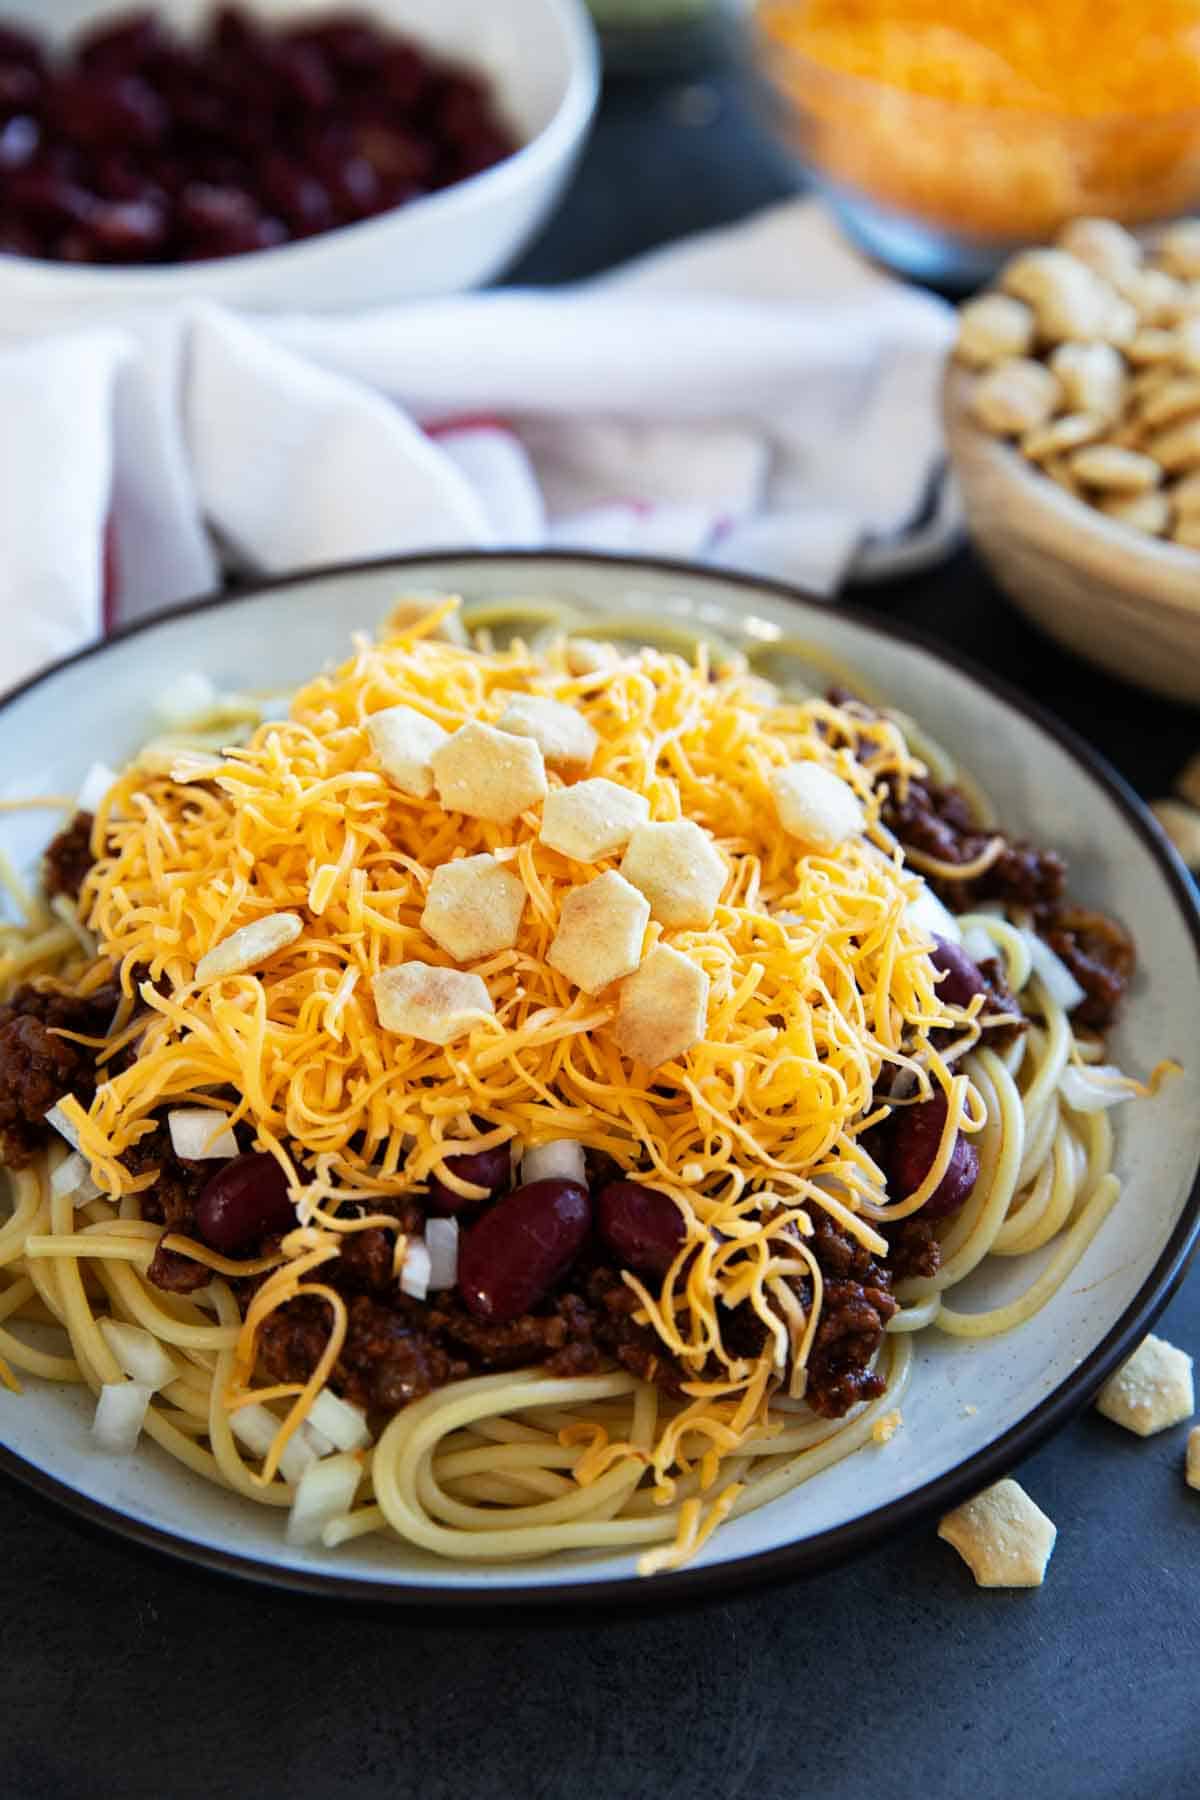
pixel 569 122
pixel 838 1543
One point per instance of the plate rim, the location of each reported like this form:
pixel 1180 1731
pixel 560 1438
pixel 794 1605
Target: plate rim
pixel 840 1542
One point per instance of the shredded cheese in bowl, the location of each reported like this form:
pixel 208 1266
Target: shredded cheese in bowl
pixel 1000 121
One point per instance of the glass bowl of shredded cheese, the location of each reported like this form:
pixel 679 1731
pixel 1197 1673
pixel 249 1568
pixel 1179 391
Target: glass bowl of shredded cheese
pixel 945 140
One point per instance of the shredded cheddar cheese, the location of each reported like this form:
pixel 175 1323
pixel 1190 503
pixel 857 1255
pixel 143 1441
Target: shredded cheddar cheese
pixel 817 980
pixel 993 118
pixel 885 1428
pixel 1066 56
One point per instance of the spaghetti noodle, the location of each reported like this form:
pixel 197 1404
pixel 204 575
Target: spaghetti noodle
pixel 704 1286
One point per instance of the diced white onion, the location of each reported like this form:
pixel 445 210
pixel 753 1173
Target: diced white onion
pixel 198 1136
pixel 139 1353
pixel 561 1160
pixel 1091 1090
pixel 324 1446
pixel 978 944
pixel 1053 973
pixel 299 1455
pixel 344 1424
pixel 441 1241
pixel 188 700
pixel 120 1415
pixel 415 1270
pixel 56 1118
pixel 255 1427
pixel 325 1491
pixel 927 913
pixel 906 1082
pixel 73 1177
pixel 94 786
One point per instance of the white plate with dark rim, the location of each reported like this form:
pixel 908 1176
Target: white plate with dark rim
pixel 973 1410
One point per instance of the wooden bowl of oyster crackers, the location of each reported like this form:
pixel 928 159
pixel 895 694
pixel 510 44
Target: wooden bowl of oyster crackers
pixel 1072 412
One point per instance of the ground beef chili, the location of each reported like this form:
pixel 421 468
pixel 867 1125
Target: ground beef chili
pixel 1001 1007
pixel 37 1067
pixel 170 1202
pixel 857 1304
pixel 68 858
pixel 386 1361
pixel 913 1249
pixel 938 822
pixel 398 1349
pixel 1099 953
pixel 611 1305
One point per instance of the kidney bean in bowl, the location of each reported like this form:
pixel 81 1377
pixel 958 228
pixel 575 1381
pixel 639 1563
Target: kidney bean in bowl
pixel 141 147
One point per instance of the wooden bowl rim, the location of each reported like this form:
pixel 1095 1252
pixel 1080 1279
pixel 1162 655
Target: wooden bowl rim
pixel 1078 520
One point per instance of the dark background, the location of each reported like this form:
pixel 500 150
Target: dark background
pixel 125 1673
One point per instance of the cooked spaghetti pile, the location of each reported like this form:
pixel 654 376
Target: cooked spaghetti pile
pixel 819 979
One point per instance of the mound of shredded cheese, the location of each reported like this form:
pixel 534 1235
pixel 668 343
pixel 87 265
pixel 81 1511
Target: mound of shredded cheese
pixel 819 980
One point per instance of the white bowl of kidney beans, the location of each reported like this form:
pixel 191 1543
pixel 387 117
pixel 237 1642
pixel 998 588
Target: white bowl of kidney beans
pixel 278 153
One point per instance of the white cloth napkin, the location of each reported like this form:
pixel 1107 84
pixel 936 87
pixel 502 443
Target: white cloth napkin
pixel 758 397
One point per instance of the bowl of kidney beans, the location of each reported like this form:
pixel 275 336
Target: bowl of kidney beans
pixel 429 140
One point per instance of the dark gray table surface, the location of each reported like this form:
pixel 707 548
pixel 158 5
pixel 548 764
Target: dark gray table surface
pixel 128 1674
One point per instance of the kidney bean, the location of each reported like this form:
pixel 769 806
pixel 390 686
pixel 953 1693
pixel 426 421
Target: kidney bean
pixel 222 218
pixel 459 102
pixel 961 978
pixel 249 120
pixel 20 88
pixel 17 239
pixel 403 75
pixel 19 46
pixel 354 187
pixel 128 230
pixel 295 195
pixel 107 112
pixel 48 199
pixel 350 43
pixel 913 1136
pixel 394 154
pixel 244 1202
pixel 234 29
pixel 303 76
pixel 75 246
pixel 164 173
pixel 640 1225
pixel 490 1169
pixel 117 175
pixel 19 139
pixel 124 46
pixel 481 152
pixel 266 234
pixel 512 1256
pixel 199 111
